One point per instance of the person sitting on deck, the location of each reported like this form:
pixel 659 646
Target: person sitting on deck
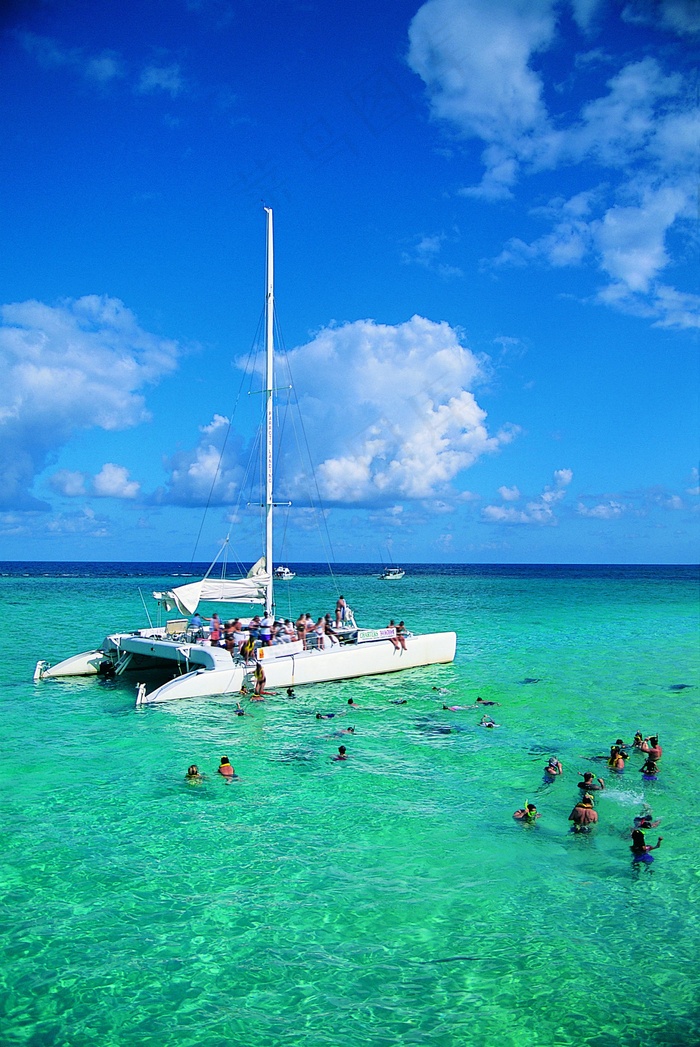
pixel 196 624
pixel 401 635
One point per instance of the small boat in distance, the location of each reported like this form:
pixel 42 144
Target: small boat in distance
pixel 283 574
pixel 392 574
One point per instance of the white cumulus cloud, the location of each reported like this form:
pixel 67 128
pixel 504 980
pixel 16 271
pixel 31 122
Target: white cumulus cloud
pixel 80 364
pixel 539 510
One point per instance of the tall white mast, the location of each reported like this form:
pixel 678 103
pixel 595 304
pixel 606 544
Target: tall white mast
pixel 269 375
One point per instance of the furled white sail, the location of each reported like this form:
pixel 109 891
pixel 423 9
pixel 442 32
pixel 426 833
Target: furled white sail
pixel 251 589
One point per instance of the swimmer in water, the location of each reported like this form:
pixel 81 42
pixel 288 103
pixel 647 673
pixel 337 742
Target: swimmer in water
pixel 528 813
pixel 480 702
pixel 397 701
pixel 325 716
pixel 456 708
pixel 553 769
pixel 649 770
pixel 643 821
pixel 342 754
pixel 290 692
pixel 344 730
pixel 584 815
pixel 240 711
pixel 640 848
pixel 638 739
pixel 226 769
pixel 591 783
pixel 653 749
pixel 193 776
pixel 486 721
pixel 616 760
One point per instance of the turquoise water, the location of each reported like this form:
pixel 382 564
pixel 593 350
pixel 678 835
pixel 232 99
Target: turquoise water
pixel 390 899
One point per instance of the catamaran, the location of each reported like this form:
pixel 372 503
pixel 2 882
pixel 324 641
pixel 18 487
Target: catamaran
pixel 193 666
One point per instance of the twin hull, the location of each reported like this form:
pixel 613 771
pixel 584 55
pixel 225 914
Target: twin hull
pixel 288 666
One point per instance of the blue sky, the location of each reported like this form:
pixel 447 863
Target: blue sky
pixel 486 222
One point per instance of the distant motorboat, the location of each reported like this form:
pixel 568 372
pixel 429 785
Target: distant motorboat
pixel 283 574
pixel 392 574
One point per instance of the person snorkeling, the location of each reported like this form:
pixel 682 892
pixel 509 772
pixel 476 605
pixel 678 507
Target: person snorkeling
pixel 193 776
pixel 528 813
pixel 641 849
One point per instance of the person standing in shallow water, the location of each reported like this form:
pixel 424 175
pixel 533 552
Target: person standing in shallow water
pixel 584 815
pixel 640 848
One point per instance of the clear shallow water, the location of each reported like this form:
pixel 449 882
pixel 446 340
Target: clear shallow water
pixel 390 899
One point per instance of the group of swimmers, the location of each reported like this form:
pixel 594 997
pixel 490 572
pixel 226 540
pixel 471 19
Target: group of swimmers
pixel 195 777
pixel 584 815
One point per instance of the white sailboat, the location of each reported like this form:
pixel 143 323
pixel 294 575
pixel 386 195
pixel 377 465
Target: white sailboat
pixel 197 669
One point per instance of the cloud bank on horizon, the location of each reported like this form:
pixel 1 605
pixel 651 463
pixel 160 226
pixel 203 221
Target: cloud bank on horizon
pixel 568 126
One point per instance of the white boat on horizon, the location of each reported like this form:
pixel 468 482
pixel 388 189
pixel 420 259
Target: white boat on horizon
pixel 392 574
pixel 180 653
pixel 283 574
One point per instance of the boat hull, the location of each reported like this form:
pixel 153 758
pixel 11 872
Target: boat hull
pixel 343 662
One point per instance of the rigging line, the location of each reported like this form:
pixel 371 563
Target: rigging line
pixel 251 351
pixel 328 545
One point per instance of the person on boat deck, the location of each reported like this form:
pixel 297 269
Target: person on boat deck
pixel 254 627
pixel 329 630
pixel 239 636
pixel 394 639
pixel 341 610
pixel 266 624
pixel 193 774
pixel 401 633
pixel 654 750
pixel 196 623
pixel 583 814
pixel 214 630
pixel 300 626
pixel 319 631
pixel 590 782
pixel 225 768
